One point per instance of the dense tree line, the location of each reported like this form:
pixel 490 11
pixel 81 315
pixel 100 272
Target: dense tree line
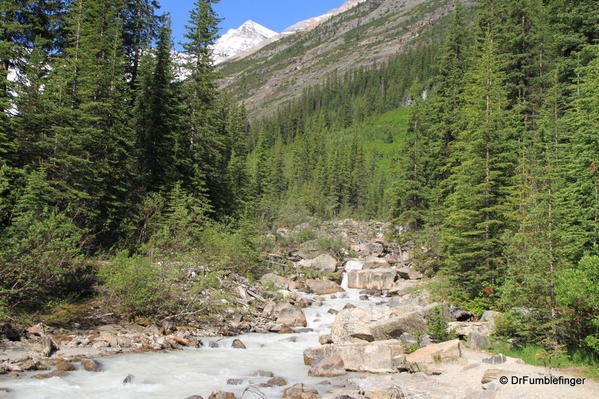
pixel 310 155
pixel 499 172
pixel 101 141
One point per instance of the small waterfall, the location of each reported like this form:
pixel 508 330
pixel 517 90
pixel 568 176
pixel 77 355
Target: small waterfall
pixel 349 266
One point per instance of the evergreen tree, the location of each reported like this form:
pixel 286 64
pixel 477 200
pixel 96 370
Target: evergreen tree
pixel 580 194
pixel 158 116
pixel 207 137
pixel 477 208
pixel 417 163
pixel 87 142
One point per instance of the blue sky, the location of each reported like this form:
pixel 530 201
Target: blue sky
pixel 274 14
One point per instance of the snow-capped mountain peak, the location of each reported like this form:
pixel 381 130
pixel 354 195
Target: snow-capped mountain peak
pixel 236 41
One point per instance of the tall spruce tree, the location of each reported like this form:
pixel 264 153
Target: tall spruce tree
pixel 477 208
pixel 158 118
pixel 207 142
pixel 87 142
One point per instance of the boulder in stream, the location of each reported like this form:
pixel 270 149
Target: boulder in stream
pixel 292 317
pixel 237 344
pixel 222 395
pixel 322 263
pixel 300 391
pixel 323 287
pixel 374 279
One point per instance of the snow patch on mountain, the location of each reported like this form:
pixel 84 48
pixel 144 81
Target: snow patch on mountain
pixel 236 41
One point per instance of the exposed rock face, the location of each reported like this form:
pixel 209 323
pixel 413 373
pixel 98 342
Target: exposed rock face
pixel 374 357
pixel 292 317
pixel 322 263
pixel 374 279
pixel 328 367
pixel 323 287
pixel 445 351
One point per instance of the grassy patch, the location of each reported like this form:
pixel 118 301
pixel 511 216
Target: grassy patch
pixel 587 363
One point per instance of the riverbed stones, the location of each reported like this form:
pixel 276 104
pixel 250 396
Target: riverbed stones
pixel 238 344
pixel 234 381
pixel 277 382
pixel 55 373
pixel 222 395
pixel 322 263
pixel 48 347
pixel 264 373
pixel 375 279
pixel 91 365
pixel 292 317
pixel 328 367
pixel 63 365
pixel 322 287
pixel 325 339
pixel 300 391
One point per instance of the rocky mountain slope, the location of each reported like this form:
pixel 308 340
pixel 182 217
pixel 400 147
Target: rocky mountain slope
pixel 360 34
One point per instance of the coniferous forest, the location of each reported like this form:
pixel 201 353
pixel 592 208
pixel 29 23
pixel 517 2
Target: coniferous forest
pixel 119 155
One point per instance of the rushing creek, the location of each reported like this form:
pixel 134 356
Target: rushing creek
pixel 180 374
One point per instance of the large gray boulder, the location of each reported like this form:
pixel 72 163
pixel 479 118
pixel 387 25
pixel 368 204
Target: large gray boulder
pixel 368 249
pixel 443 352
pixel 409 273
pixel 376 324
pixel 322 287
pixel 369 357
pixel 372 279
pixel 275 280
pixel 292 317
pixel 322 263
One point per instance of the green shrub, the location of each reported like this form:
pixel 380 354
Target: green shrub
pixel 136 285
pixel 333 245
pixel 437 326
pixel 40 259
